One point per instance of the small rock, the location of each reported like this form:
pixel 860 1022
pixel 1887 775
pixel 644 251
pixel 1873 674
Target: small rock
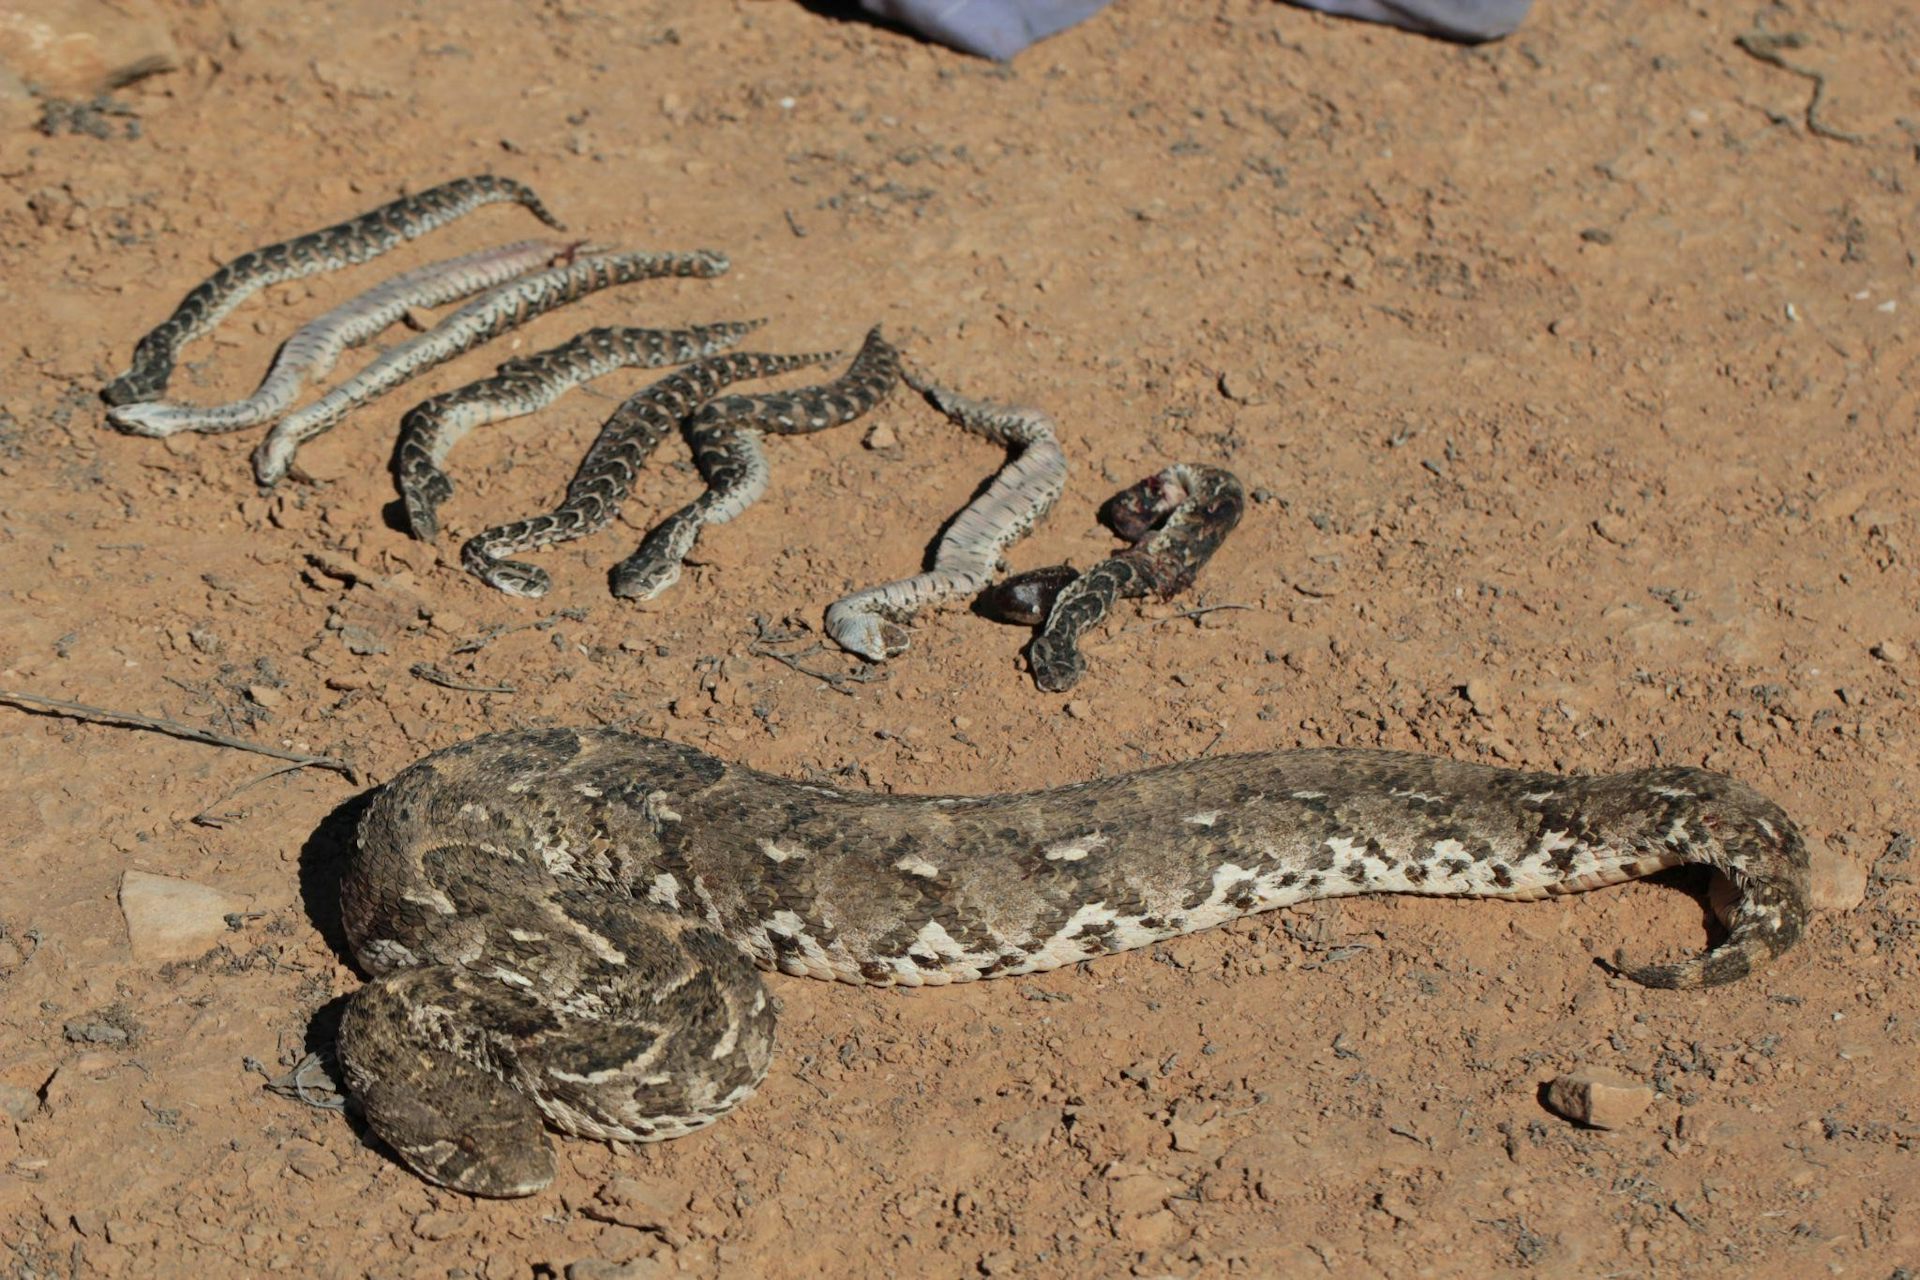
pixel 1839 884
pixel 361 642
pixel 451 622
pixel 129 1234
pixel 265 695
pixel 1481 694
pixel 1159 1230
pixel 1238 388
pixel 1614 530
pixel 1078 709
pixel 436 1224
pixel 17 1102
pixel 1140 1193
pixel 632 1203
pixel 316 1164
pixel 1598 1099
pixel 1891 652
pixel 169 919
pixel 634 1269
pixel 107 1027
pixel 1029 1129
pixel 79 48
pixel 880 436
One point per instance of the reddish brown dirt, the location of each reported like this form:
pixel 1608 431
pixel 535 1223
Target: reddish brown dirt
pixel 1576 384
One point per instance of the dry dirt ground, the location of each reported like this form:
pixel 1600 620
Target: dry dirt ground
pixel 1575 381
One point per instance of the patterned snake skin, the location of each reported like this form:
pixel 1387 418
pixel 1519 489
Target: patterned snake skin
pixel 612 466
pixel 355 241
pixel 507 307
pixel 1175 520
pixel 312 351
pixel 871 623
pixel 726 436
pixel 527 384
pixel 564 925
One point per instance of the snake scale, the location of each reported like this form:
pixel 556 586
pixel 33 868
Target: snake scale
pixel 342 245
pixel 562 927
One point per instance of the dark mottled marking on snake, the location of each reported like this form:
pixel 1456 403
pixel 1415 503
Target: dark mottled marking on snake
pixel 311 352
pixel 612 466
pixel 343 245
pixel 872 623
pixel 523 385
pixel 562 926
pixel 1175 520
pixel 507 307
pixel 726 434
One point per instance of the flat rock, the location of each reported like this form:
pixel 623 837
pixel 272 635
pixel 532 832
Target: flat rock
pixel 169 919
pixel 1839 884
pixel 17 1102
pixel 79 48
pixel 1598 1099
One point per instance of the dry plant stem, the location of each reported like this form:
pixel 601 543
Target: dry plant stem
pixel 434 675
pixel 131 720
pixel 208 818
pixel 1766 46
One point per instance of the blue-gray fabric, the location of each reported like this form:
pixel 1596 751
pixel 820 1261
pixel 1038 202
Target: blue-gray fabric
pixel 989 28
pixel 1467 20
pixel 1002 28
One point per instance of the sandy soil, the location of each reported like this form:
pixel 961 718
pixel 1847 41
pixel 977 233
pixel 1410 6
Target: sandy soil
pixel 1576 384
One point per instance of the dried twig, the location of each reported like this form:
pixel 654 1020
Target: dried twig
pixel 324 1094
pixel 127 719
pixel 838 681
pixel 491 634
pixel 1766 46
pixel 434 675
pixel 208 818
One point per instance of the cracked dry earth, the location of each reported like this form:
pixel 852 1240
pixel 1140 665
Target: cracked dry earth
pixel 1575 385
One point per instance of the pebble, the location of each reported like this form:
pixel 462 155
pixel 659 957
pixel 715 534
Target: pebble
pixel 1481 694
pixel 1598 1099
pixel 633 1203
pixel 79 48
pixel 1078 709
pixel 436 1224
pixel 880 436
pixel 1238 388
pixel 169 919
pixel 1614 530
pixel 1891 652
pixel 1839 884
pixel 18 1102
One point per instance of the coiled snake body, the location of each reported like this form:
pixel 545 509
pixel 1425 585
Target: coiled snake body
pixel 564 925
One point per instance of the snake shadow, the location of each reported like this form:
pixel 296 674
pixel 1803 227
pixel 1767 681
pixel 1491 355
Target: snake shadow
pixel 323 861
